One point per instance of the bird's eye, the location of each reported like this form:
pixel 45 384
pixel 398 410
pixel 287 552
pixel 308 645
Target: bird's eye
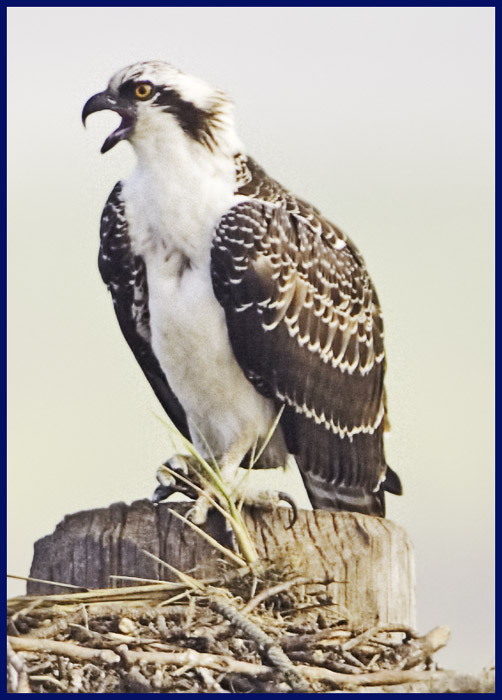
pixel 143 91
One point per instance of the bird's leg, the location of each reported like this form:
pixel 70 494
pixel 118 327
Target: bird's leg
pixel 228 464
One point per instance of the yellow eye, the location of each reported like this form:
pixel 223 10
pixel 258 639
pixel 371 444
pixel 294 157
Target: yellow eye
pixel 143 91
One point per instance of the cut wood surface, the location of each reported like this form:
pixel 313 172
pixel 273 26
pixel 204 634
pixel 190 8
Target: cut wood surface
pixel 369 559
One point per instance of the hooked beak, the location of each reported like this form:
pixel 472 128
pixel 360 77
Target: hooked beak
pixel 103 100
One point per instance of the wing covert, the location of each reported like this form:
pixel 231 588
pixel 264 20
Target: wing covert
pixel 306 328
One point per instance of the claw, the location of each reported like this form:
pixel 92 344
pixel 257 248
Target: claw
pixel 169 484
pixel 199 511
pixel 287 499
pixel 161 493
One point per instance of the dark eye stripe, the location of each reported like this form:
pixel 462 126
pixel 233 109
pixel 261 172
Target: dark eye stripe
pixel 127 89
pixel 192 119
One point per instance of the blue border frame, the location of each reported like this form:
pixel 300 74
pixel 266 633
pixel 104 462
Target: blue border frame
pixel 4 202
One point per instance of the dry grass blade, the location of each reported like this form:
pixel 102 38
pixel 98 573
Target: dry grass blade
pixel 188 580
pixel 246 545
pixel 174 599
pixel 118 577
pixel 208 448
pixel 269 435
pixel 214 474
pixel 98 595
pixel 215 504
pixel 50 583
pixel 224 550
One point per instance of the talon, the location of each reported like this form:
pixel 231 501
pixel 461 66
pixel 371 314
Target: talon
pixel 287 499
pixel 169 484
pixel 199 511
pixel 161 493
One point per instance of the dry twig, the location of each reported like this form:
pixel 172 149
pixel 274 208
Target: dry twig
pixel 274 590
pixel 272 650
pixel 142 639
pixel 72 651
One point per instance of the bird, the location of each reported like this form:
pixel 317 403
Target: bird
pixel 241 302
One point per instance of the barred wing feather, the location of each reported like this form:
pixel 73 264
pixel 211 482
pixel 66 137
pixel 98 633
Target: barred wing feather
pixel 306 328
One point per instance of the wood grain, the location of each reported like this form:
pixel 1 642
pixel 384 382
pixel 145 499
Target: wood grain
pixel 370 558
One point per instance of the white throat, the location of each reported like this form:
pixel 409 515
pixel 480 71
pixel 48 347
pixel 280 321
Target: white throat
pixel 178 191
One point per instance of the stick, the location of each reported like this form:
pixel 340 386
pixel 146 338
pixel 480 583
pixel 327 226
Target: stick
pixel 189 657
pixel 17 676
pixel 426 646
pixel 96 595
pixel 48 679
pixel 216 662
pixel 194 659
pixel 368 634
pixel 377 678
pixel 271 648
pixel 186 579
pixel 269 592
pixel 73 651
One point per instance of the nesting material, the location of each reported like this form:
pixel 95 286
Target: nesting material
pixel 259 629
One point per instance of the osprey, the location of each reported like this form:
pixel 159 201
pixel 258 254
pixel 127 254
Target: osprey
pixel 238 298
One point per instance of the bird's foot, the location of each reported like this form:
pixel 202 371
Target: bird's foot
pixel 268 499
pixel 197 514
pixel 178 475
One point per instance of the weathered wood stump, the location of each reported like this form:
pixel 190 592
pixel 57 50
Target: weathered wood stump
pixel 370 559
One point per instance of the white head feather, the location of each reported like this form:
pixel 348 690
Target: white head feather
pixel 156 119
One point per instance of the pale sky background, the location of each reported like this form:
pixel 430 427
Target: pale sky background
pixel 381 117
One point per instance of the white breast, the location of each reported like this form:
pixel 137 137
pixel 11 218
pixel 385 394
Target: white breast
pixel 190 339
pixel 171 226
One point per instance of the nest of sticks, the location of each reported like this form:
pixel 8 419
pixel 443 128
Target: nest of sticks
pixel 255 629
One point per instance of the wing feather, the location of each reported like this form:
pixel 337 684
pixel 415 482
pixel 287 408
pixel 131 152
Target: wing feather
pixel 305 324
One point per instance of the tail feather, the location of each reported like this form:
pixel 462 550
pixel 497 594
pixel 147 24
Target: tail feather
pixel 325 496
pixel 392 482
pixel 340 472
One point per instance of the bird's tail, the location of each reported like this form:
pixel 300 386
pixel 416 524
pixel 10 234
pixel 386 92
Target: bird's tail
pixel 324 496
pixel 341 472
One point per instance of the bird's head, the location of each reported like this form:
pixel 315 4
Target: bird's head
pixel 158 102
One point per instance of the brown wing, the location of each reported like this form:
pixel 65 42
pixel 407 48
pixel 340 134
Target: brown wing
pixel 306 328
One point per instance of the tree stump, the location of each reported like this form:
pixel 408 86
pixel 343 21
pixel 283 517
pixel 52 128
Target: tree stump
pixel 369 559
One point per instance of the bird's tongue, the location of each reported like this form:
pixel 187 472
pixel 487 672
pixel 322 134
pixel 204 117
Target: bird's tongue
pixel 122 132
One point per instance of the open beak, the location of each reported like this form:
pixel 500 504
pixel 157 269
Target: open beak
pixel 103 100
